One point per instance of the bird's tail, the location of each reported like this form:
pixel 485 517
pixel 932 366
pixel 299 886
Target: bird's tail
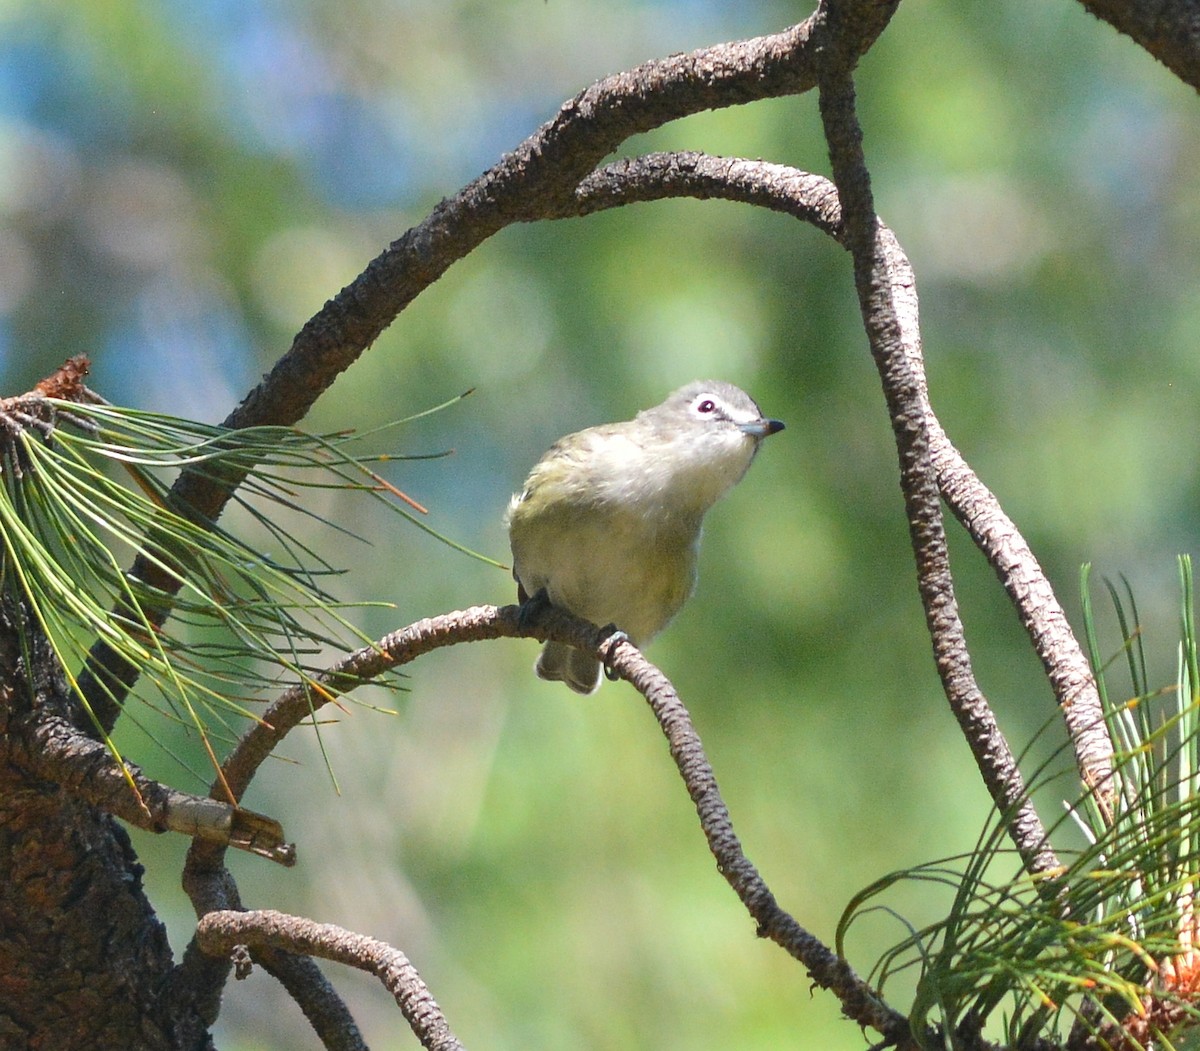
pixel 561 663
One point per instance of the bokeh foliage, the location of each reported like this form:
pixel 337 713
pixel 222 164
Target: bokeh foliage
pixel 182 185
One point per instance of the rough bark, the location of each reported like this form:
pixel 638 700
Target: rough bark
pixel 83 957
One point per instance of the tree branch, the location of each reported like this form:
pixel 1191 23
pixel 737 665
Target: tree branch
pixel 859 1001
pixel 266 930
pixel 814 200
pixel 50 748
pixel 325 1010
pixel 1068 669
pixel 1168 29
pixel 535 181
pixel 200 977
pixel 883 305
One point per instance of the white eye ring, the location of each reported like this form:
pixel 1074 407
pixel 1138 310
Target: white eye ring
pixel 707 406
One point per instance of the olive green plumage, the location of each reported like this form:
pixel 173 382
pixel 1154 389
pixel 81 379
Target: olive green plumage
pixel 608 522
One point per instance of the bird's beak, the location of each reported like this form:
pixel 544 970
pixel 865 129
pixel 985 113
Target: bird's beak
pixel 761 428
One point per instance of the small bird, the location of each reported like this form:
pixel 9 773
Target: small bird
pixel 608 523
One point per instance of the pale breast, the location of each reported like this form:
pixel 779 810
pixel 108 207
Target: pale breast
pixel 607 566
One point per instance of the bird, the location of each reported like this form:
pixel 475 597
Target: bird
pixel 607 525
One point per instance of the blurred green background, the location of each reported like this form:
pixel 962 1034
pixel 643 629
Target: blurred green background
pixel 182 185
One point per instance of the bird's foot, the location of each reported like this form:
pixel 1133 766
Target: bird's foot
pixel 532 608
pixel 615 636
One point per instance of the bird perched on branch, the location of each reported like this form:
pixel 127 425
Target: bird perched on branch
pixel 608 523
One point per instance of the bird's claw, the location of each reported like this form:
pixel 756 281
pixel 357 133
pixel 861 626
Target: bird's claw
pixel 532 607
pixel 615 636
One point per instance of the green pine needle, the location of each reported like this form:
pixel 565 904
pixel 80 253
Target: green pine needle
pixel 245 623
pixel 1110 941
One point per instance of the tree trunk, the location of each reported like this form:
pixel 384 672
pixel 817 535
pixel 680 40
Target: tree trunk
pixel 84 962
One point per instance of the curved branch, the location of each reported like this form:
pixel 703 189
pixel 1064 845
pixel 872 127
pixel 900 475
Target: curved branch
pixel 312 992
pixel 1168 29
pixel 200 977
pixel 208 883
pixel 51 748
pixel 392 651
pixel 1070 674
pixel 859 1001
pixel 814 199
pixel 536 181
pixel 889 313
pixel 267 931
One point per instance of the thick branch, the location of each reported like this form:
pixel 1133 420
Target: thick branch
pixel 859 1001
pixel 1168 29
pixel 530 183
pixel 883 305
pixel 201 976
pixel 219 933
pixel 50 748
pixel 535 181
pixel 814 199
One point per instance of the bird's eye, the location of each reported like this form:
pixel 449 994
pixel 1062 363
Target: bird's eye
pixel 708 405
